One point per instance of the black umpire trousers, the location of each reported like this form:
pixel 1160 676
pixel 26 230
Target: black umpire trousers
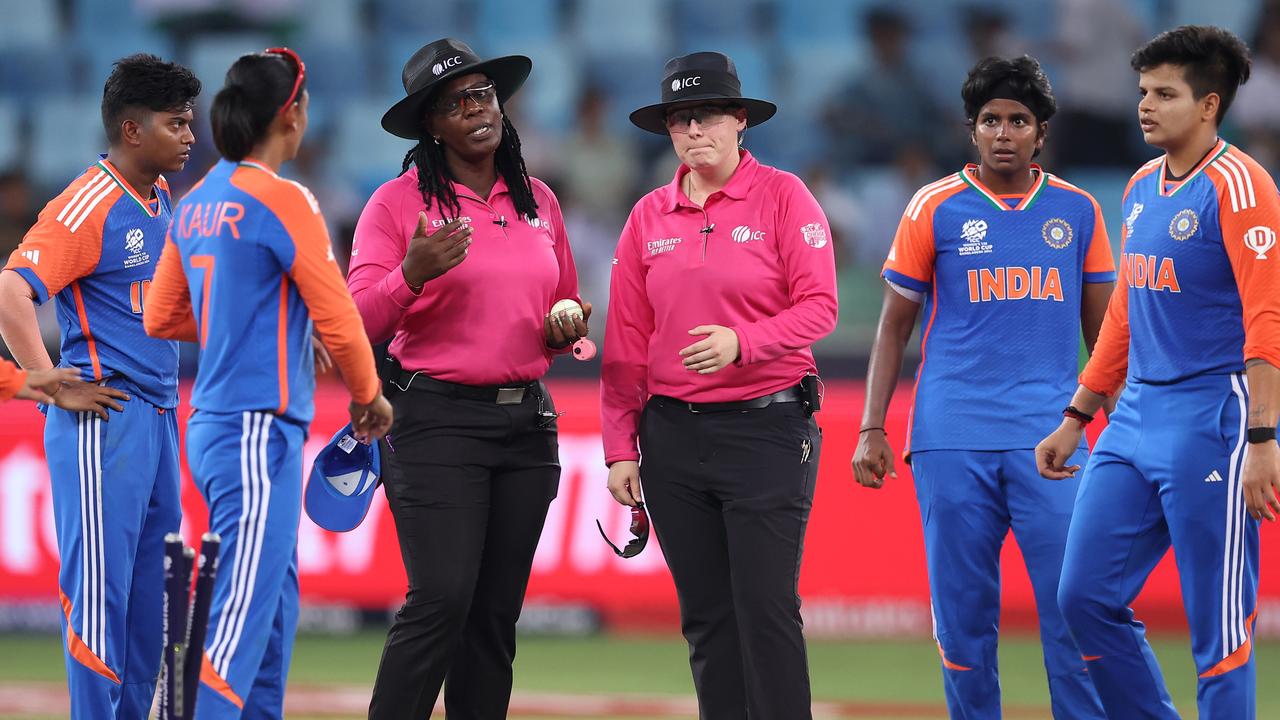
pixel 469 484
pixel 729 494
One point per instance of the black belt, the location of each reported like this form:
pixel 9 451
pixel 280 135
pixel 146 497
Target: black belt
pixel 512 394
pixel 788 395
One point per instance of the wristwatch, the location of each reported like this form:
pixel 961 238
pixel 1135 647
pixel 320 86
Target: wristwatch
pixel 1261 435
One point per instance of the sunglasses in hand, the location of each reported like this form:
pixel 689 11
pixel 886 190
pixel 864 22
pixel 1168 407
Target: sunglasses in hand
pixel 639 528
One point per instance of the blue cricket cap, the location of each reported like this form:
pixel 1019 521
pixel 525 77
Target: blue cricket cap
pixel 343 479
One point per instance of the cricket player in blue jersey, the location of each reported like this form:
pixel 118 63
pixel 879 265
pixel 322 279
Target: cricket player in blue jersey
pixel 1010 263
pixel 1189 459
pixel 112 439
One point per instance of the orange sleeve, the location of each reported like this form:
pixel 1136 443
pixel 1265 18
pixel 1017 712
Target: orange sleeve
pixel 1249 215
pixel 65 244
pixel 911 258
pixel 167 312
pixel 322 287
pixel 1107 367
pixel 12 378
pixel 1099 266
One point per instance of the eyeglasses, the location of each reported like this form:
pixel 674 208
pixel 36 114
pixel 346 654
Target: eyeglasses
pixel 297 81
pixel 639 528
pixel 456 102
pixel 706 116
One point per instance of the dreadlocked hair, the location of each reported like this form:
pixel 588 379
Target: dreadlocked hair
pixel 435 182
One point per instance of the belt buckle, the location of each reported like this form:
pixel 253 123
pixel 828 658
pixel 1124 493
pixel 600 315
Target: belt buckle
pixel 510 396
pixel 693 408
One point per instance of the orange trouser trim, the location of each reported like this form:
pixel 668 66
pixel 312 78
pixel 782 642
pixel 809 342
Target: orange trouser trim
pixel 947 663
pixel 79 650
pixel 216 683
pixel 1237 658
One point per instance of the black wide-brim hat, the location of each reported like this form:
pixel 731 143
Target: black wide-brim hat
pixel 700 76
pixel 438 62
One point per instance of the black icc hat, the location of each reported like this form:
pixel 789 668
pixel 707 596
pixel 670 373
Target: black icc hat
pixel 700 76
pixel 443 60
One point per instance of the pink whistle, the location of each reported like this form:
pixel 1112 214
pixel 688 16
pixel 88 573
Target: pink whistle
pixel 584 349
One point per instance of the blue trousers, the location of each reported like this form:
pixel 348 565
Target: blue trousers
pixel 248 466
pixel 1166 471
pixel 969 501
pixel 115 497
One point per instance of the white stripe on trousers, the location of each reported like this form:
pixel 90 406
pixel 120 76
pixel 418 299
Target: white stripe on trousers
pixel 1233 620
pixel 92 557
pixel 255 492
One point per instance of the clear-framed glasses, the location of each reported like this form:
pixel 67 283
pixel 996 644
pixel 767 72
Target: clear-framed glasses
pixel 298 65
pixel 705 115
pixel 456 102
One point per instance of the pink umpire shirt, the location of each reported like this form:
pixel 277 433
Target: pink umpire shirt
pixel 480 323
pixel 765 269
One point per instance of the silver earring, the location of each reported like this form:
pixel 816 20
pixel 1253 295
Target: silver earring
pixel 437 140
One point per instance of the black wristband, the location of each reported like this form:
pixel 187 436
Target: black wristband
pixel 1079 415
pixel 1261 435
pixel 869 429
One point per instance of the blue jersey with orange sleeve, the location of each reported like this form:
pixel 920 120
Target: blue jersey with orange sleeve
pixel 1002 279
pixel 94 248
pixel 1201 272
pixel 246 269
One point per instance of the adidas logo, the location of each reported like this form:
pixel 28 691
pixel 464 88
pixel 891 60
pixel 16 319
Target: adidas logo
pixel 32 255
pixel 1213 477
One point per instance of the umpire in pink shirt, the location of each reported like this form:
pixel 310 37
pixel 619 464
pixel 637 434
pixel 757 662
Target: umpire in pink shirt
pixel 722 281
pixel 457 262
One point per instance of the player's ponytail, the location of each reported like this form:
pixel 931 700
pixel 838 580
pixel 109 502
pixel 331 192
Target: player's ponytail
pixel 256 88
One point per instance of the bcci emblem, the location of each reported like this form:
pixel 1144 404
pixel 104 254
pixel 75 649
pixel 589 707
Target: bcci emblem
pixel 815 235
pixel 1260 239
pixel 133 241
pixel 1184 225
pixel 1057 233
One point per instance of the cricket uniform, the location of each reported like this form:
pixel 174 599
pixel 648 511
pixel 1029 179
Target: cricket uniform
pixel 728 460
pixel 114 483
pixel 476 462
pixel 1002 279
pixel 1201 295
pixel 246 270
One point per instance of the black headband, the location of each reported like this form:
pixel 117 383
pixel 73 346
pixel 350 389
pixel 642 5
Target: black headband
pixel 1007 90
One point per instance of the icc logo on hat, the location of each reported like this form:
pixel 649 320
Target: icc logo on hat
pixel 343 478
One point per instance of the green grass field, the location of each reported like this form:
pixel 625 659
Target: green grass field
pixel 877 680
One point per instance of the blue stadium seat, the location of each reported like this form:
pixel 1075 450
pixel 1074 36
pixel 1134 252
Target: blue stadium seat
pixel 361 155
pixel 631 79
pixel 336 71
pixel 550 96
pixel 824 22
pixel 101 54
pixel 708 22
pixel 10 135
pixel 331 21
pixel 66 138
pixel 604 27
pixel 425 21
pixel 35 71
pixel 210 57
pixel 28 23
pixel 503 27
pixel 100 21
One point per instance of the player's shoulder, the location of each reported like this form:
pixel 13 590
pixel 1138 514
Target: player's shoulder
pixel 287 199
pixel 1145 171
pixel 930 196
pixel 1066 192
pixel 1240 178
pixel 83 205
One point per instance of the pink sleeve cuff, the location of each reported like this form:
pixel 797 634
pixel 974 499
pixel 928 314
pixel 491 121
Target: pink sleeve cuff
pixel 397 288
pixel 744 346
